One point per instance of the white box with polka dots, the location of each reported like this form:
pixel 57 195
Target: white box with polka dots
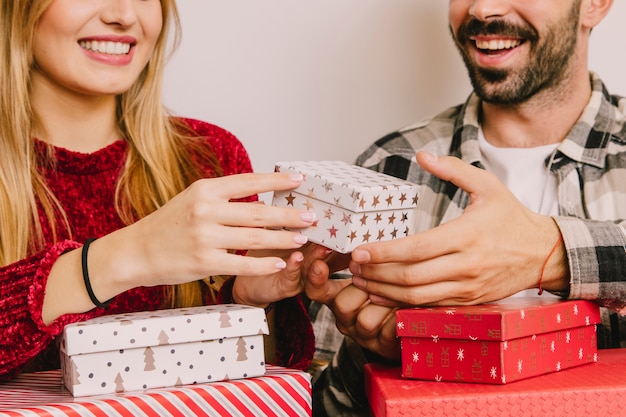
pixel 154 349
pixel 353 205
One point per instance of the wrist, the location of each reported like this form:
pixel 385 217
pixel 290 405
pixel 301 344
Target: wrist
pixel 554 274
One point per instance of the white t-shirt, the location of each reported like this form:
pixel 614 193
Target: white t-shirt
pixel 524 172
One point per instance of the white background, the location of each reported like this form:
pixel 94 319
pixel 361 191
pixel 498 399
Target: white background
pixel 322 79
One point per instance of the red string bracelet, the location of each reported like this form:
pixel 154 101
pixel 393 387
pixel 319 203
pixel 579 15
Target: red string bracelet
pixel 543 267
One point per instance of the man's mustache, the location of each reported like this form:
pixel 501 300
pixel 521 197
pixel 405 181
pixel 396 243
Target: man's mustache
pixel 500 28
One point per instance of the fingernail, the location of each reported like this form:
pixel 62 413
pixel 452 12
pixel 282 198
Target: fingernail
pixel 296 177
pixel 281 265
pixel 308 216
pixel 360 255
pixel 300 239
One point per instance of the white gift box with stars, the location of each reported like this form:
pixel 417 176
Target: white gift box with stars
pixel 354 205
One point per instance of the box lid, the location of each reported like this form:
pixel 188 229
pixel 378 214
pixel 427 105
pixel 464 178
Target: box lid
pixel 352 187
pixel 163 327
pixel 505 320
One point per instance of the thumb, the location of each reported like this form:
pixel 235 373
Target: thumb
pixel 473 180
pixel 320 287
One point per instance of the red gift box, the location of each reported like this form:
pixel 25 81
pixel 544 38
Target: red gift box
pixel 595 390
pixel 279 392
pixel 497 343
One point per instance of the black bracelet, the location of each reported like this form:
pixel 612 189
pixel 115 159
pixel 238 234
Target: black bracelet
pixel 92 296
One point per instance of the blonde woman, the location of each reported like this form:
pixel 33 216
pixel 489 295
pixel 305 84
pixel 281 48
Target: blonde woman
pixel 108 203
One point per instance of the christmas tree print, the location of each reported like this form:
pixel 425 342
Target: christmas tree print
pixel 119 383
pixel 148 359
pixel 224 319
pixel 163 338
pixel 241 350
pixel 75 374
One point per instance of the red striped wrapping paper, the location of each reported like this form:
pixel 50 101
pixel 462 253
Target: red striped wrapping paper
pixel 280 392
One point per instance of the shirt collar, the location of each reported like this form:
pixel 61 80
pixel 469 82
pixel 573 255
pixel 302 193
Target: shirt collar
pixel 600 122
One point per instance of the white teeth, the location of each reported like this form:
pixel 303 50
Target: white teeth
pixel 106 47
pixel 497 45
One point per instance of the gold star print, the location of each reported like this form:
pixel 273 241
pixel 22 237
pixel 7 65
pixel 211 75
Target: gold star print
pixel 366 236
pixel 362 203
pixel 405 217
pixel 352 235
pixel 346 218
pixel 394 233
pixel 355 195
pixel 378 217
pixel 332 231
pixel 381 235
pixel 364 220
pixel 311 192
pixel 389 200
pixel 376 201
pixel 308 205
pixel 415 200
pixel 328 186
pixel 402 198
pixel 406 232
pixel 290 199
pixel 392 218
pixel 328 214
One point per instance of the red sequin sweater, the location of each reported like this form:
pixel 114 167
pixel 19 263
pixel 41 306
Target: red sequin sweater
pixel 85 185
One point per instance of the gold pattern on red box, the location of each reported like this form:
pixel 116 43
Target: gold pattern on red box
pixel 497 343
pixel 354 205
pixel 162 348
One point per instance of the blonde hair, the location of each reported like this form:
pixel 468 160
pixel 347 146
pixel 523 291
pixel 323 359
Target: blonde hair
pixel 160 148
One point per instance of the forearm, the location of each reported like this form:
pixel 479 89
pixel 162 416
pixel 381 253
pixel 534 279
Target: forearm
pixel 22 289
pixel 66 279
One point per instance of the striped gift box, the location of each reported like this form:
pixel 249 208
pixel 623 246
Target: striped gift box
pixel 280 392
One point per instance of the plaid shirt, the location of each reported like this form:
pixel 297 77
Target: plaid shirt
pixel 590 167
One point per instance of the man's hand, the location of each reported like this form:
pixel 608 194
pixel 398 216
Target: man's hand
pixel 496 248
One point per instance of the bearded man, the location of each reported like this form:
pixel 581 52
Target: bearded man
pixel 523 188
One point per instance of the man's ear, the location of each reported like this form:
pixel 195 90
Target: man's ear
pixel 593 11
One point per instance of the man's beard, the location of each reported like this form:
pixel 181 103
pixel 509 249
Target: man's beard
pixel 550 58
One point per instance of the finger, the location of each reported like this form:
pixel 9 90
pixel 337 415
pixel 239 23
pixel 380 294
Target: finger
pixel 473 180
pixel 439 268
pixel 246 238
pixel 289 283
pixel 253 215
pixel 244 185
pixel 444 293
pixel 232 264
pixel 348 303
pixel 386 302
pixel 371 319
pixel 319 287
pixel 431 243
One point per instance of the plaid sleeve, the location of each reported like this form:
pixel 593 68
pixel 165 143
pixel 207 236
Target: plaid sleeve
pixel 597 261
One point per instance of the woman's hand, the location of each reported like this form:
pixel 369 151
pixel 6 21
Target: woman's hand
pixel 288 282
pixel 189 238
